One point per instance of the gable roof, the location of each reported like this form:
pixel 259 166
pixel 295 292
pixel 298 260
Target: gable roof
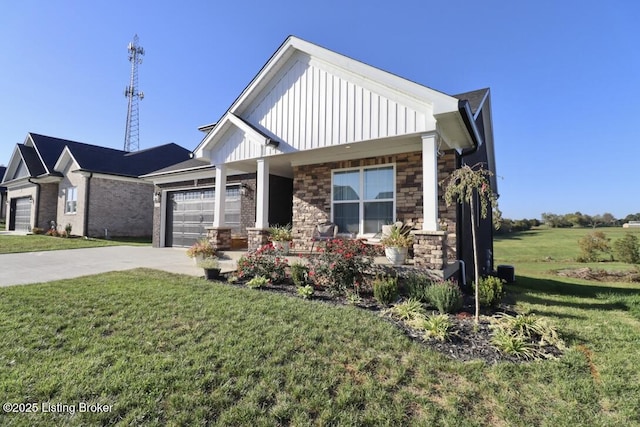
pixel 476 98
pixel 309 97
pixel 43 154
pixel 3 169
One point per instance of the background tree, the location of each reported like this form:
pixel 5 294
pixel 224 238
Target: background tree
pixel 627 249
pixel 592 246
pixel 470 185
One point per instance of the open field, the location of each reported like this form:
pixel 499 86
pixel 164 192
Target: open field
pixel 170 349
pixel 37 243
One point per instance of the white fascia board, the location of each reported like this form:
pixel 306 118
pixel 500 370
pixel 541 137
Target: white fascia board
pixel 229 119
pixel 111 177
pixel 30 142
pixel 14 161
pixel 65 157
pixel 181 176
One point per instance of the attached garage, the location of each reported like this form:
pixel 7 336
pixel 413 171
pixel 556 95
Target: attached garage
pixel 22 214
pixel 190 212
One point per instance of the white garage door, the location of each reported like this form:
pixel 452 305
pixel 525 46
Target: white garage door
pixel 190 212
pixel 23 214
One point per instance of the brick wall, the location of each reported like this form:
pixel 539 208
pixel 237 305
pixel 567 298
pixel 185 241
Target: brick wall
pixel 125 208
pixel 47 205
pixel 312 193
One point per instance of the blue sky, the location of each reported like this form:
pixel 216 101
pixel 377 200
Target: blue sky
pixel 564 76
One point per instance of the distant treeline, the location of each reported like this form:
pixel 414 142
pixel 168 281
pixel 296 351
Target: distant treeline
pixel 576 219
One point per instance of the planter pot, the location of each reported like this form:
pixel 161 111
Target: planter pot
pixel 282 246
pixel 397 256
pixel 198 258
pixel 211 273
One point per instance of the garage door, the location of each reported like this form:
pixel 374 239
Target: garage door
pixel 23 214
pixel 190 212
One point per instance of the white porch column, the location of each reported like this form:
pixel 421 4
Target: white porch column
pixel 262 194
pixel 221 192
pixel 430 182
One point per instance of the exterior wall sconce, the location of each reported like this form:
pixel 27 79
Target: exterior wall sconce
pixel 272 143
pixel 244 189
pixel 31 199
pixel 157 197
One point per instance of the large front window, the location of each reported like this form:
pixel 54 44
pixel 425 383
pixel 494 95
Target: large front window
pixel 363 199
pixel 71 200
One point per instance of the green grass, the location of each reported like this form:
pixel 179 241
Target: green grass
pixel 169 349
pixel 37 243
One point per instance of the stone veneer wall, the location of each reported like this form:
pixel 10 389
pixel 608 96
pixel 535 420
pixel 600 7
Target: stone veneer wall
pixel 312 194
pixel 257 237
pixel 219 237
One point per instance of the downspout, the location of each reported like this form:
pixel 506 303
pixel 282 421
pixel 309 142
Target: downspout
pixel 87 193
pixel 36 203
pixel 467 117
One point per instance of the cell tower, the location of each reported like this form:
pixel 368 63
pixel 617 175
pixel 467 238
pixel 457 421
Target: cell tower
pixel 132 133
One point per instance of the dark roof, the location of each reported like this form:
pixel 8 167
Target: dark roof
pixel 475 98
pixel 93 158
pixel 3 169
pixel 31 160
pixel 187 165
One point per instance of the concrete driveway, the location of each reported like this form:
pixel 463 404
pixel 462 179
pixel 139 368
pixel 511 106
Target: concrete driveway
pixel 35 267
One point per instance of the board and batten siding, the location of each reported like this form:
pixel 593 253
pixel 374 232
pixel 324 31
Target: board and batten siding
pixel 311 104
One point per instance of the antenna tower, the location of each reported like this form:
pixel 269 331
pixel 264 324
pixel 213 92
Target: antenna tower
pixel 132 133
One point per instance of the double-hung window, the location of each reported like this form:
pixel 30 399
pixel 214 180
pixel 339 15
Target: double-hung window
pixel 363 199
pixel 71 200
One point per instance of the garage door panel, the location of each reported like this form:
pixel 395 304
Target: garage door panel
pixel 23 214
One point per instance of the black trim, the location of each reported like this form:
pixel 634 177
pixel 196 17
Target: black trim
pixel 464 108
pixel 87 202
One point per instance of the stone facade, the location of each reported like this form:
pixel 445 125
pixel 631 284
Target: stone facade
pixel 312 195
pixel 430 249
pixel 219 237
pixel 257 237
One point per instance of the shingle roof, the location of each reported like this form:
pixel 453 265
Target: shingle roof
pixel 31 160
pixel 475 98
pixel 3 169
pixel 187 165
pixel 93 158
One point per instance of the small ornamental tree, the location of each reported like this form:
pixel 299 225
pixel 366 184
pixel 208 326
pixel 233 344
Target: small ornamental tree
pixel 469 184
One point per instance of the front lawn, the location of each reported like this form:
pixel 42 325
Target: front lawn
pixel 169 349
pixel 37 243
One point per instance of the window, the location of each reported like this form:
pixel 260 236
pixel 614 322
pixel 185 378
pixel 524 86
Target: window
pixel 232 208
pixel 363 199
pixel 71 200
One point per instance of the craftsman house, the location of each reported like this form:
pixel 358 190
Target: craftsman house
pixel 55 182
pixel 317 136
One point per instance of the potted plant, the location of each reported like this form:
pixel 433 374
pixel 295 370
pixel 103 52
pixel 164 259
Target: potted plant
pixel 211 268
pixel 200 250
pixel 396 243
pixel 281 237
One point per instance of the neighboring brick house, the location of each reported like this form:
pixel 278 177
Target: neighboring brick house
pixel 3 194
pixel 95 189
pixel 362 147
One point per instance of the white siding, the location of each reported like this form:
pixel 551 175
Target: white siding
pixel 311 104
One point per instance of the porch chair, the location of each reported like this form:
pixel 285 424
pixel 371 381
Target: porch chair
pixel 323 233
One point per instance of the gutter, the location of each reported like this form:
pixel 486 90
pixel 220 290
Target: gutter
pixel 37 202
pixel 87 194
pixel 464 108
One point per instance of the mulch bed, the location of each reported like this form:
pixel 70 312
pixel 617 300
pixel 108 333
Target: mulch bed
pixel 467 343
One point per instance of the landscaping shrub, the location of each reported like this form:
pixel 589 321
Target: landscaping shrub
pixel 524 336
pixel 305 292
pixel 385 289
pixel 445 296
pixel 416 285
pixel 257 282
pixel 627 249
pixel 340 264
pixel 490 291
pixel 299 273
pixel 437 327
pixel 408 310
pixel 593 246
pixel 264 261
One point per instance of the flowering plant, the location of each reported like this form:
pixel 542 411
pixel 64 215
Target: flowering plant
pixel 341 264
pixel 281 233
pixel 201 248
pixel 266 262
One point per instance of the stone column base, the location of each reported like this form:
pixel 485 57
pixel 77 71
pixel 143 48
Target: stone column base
pixel 220 237
pixel 257 237
pixel 430 249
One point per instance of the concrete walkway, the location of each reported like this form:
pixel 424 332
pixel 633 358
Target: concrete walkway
pixel 35 267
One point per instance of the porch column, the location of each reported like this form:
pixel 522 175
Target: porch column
pixel 430 182
pixel 262 194
pixel 221 192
